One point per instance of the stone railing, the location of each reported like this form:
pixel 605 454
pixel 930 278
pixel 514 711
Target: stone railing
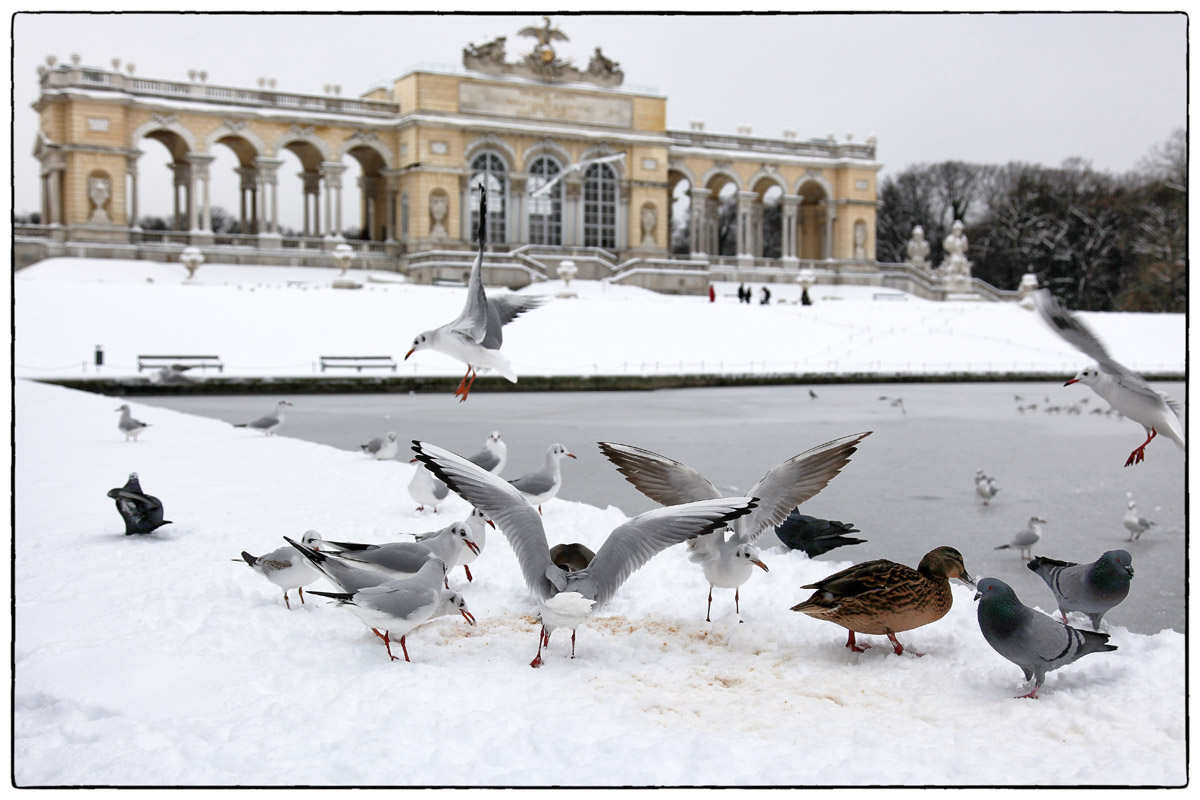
pixel 31 231
pixel 822 148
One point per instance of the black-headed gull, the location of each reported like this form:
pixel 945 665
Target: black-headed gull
pixel 1134 523
pixel 477 523
pixel 576 167
pixel 404 559
pixel 1126 391
pixel 401 606
pixel 268 424
pixel 985 486
pixel 542 485
pixel 1026 539
pixel 286 568
pixel 729 562
pixel 475 336
pixel 128 425
pixel 382 448
pixel 351 576
pixel 568 599
pixel 494 454
pixel 426 489
pixel 142 513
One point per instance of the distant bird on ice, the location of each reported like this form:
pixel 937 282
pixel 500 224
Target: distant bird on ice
pixel 382 448
pixel 728 563
pixel 1026 539
pixel 985 486
pixel 128 425
pixel 426 489
pixel 1136 525
pixel 268 424
pixel 542 485
pixel 286 568
pixel 568 599
pixel 1124 390
pixel 494 454
pixel 1092 589
pixel 142 513
pixel 475 336
pixel 814 535
pixel 1033 641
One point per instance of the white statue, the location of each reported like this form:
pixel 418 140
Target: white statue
pixel 860 239
pixel 955 247
pixel 99 190
pixel 649 220
pixel 918 248
pixel 1027 286
pixel 439 204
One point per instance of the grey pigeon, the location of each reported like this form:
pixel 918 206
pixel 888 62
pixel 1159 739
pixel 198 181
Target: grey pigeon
pixel 543 484
pixel 1135 524
pixel 1026 539
pixel 1091 589
pixel 268 424
pixel 142 513
pixel 382 448
pixel 814 535
pixel 1033 641
pixel 128 425
pixel 493 456
pixel 572 556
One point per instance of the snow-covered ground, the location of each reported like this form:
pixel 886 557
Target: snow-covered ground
pixel 164 659
pixel 280 320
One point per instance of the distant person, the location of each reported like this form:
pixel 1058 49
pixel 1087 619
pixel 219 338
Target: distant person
pixel 766 296
pixel 712 294
pixel 743 293
pixel 805 300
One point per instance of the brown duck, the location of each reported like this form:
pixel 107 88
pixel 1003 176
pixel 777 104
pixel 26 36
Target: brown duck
pixel 883 597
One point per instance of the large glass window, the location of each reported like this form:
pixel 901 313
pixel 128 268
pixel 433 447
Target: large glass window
pixel 488 169
pixel 545 210
pixel 600 207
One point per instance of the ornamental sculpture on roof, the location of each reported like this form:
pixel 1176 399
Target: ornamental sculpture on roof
pixel 542 63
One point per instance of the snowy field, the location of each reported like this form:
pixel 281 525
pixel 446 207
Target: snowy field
pixel 164 659
pixel 279 320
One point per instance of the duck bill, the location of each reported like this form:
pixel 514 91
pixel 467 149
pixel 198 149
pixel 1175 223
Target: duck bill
pixel 760 564
pixel 1073 380
pixel 968 580
pixel 474 548
pixel 468 616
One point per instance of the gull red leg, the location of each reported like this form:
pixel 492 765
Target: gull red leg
pixel 405 649
pixel 467 570
pixel 1139 453
pixel 537 660
pixel 300 589
pixel 462 383
pixel 1031 696
pixel 387 643
pixel 286 601
pixel 572 643
pixel 708 613
pixel 858 648
pixel 467 390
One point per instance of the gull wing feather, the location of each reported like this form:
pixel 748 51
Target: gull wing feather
pixel 1075 333
pixel 664 480
pixel 517 520
pixel 796 480
pixel 638 540
pixel 473 321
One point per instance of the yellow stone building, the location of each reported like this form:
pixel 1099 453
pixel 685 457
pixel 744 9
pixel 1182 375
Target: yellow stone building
pixel 578 167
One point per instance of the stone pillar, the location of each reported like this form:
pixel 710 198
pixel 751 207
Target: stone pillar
pixel 332 172
pixel 368 186
pixel 830 214
pixel 696 228
pixel 621 239
pixel 131 169
pixel 788 223
pixel 54 176
pixel 248 199
pixel 183 181
pixel 518 225
pixel 199 213
pixel 712 216
pixel 572 212
pixel 268 200
pixel 311 188
pixel 745 244
pixel 391 179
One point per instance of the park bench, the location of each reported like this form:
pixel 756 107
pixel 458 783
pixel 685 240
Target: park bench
pixel 185 362
pixel 357 362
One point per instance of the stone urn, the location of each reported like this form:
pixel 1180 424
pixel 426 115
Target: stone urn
pixel 1027 286
pixel 192 258
pixel 567 270
pixel 99 190
pixel 439 204
pixel 343 256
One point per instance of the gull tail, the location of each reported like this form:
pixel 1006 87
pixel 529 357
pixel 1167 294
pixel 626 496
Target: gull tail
pixel 251 560
pixel 341 597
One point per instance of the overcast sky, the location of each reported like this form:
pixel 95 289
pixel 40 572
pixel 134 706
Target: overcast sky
pixel 987 88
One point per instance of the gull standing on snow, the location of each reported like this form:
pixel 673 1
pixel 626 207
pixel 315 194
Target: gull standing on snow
pixel 402 606
pixel 564 598
pixel 542 485
pixel 286 568
pixel 351 577
pixel 985 486
pixel 493 456
pixel 142 513
pixel 1026 539
pixel 382 448
pixel 128 425
pixel 426 489
pixel 728 563
pixel 1092 589
pixel 1033 641
pixel 477 522
pixel 268 424
pixel 475 336
pixel 1124 390
pixel 1136 525
pixel 405 559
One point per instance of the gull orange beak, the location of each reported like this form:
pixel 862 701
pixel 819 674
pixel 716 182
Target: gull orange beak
pixel 760 564
pixel 489 522
pixel 474 548
pixel 1073 380
pixel 467 615
pixel 570 455
pixel 409 353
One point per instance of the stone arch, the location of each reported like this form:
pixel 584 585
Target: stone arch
pixel 814 217
pixel 605 149
pixel 679 207
pixel 709 179
pixel 545 147
pixel 164 127
pixel 299 140
pixel 365 140
pixel 820 180
pixel 239 132
pixel 763 176
pixel 495 144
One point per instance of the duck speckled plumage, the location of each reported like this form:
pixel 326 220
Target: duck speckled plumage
pixel 882 597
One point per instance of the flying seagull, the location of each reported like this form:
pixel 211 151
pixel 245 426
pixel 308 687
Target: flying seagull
pixel 576 167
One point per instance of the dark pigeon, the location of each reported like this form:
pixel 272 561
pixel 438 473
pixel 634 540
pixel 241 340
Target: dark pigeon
pixel 1091 589
pixel 142 513
pixel 814 535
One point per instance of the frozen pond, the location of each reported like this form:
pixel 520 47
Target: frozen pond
pixel 909 488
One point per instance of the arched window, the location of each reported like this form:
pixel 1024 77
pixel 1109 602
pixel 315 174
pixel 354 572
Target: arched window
pixel 600 207
pixel 545 210
pixel 488 169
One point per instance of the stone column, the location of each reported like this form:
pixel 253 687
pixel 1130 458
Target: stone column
pixel 621 239
pixel 696 226
pixel 518 225
pixel 131 169
pixel 712 216
pixel 332 172
pixel 311 180
pixel 368 186
pixel 788 223
pixel 572 212
pixel 392 187
pixel 200 214
pixel 183 180
pixel 268 200
pixel 830 215
pixel 248 199
pixel 54 177
pixel 745 244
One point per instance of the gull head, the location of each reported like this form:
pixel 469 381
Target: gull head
pixel 1088 376
pixel 422 341
pixel 455 602
pixel 558 451
pixel 461 532
pixel 750 554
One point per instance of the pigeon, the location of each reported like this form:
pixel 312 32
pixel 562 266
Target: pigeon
pixel 142 513
pixel 477 523
pixel 426 489
pixel 1033 641
pixel 728 563
pixel 1026 539
pixel 572 556
pixel 1088 588
pixel 475 336
pixel 128 425
pixel 813 535
pixel 493 456
pixel 1134 524
pixel 382 448
pixel 1126 391
pixel 542 485
pixel 268 424
pixel 985 486
pixel 401 606
pixel 568 599
pixel 286 568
